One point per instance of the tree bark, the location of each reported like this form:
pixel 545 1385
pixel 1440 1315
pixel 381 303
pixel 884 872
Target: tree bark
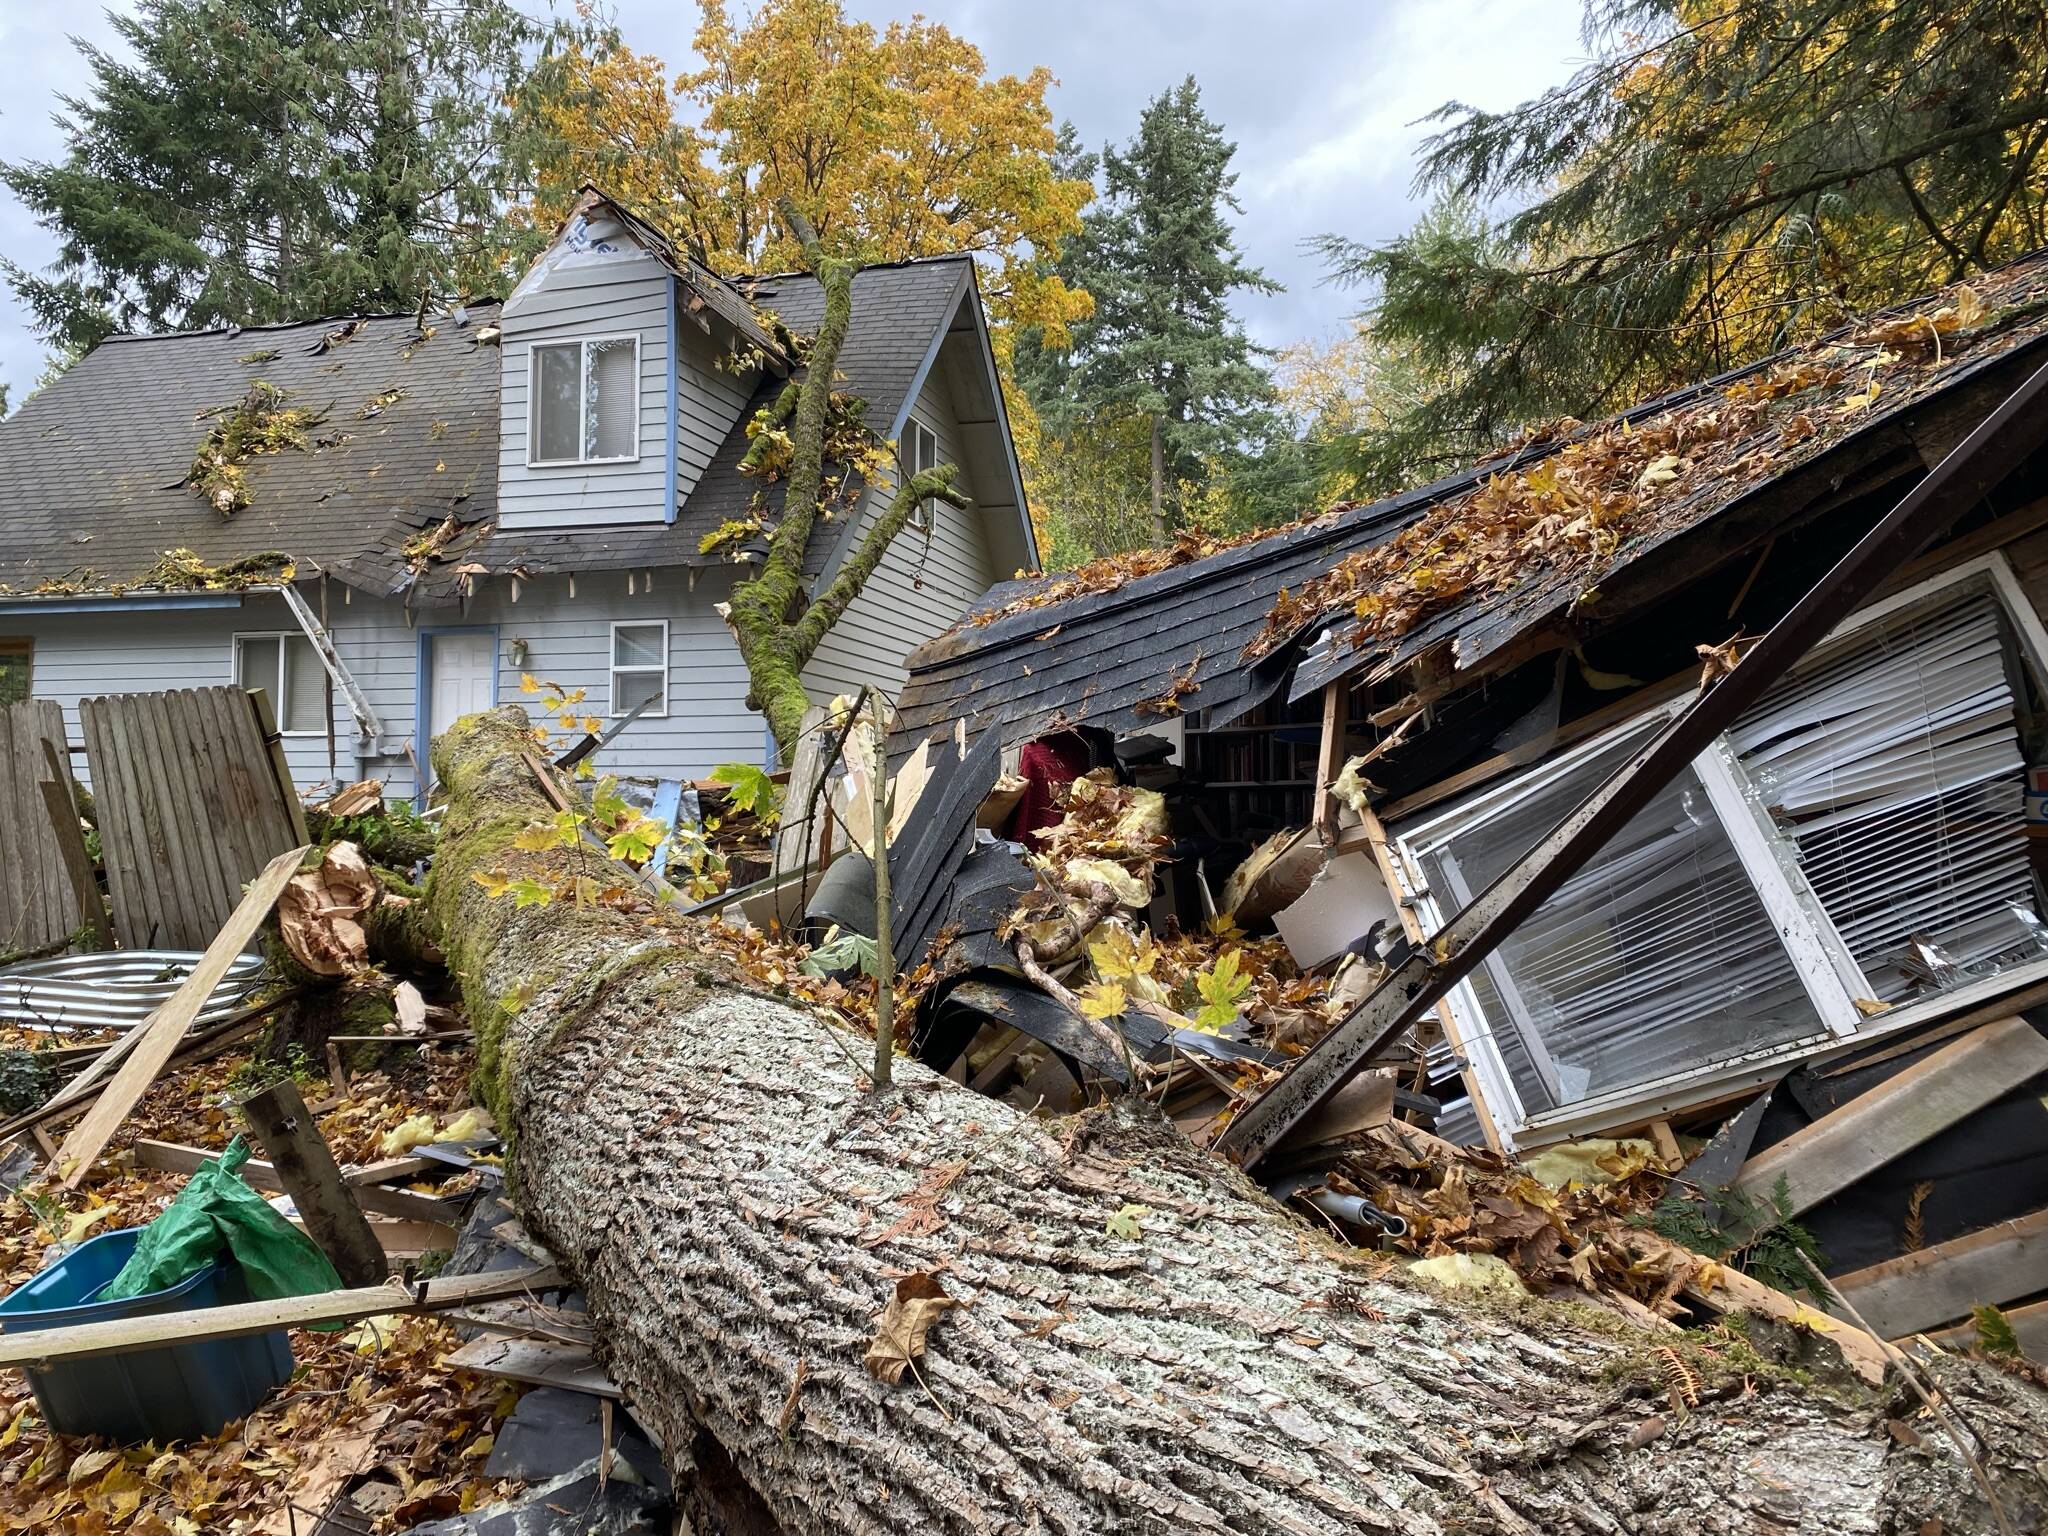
pixel 739 1208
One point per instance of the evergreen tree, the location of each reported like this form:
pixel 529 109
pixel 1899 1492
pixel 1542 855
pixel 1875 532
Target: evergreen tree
pixel 264 160
pixel 1724 178
pixel 1157 255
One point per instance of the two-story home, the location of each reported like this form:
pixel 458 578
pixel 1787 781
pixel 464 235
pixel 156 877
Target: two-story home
pixel 454 499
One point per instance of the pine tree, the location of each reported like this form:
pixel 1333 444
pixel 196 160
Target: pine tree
pixel 1157 254
pixel 1724 178
pixel 264 160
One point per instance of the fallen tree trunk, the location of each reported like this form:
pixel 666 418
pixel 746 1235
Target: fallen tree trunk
pixel 740 1209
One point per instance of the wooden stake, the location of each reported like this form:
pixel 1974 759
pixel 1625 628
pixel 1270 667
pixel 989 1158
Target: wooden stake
pixel 63 809
pixel 305 1166
pixel 885 953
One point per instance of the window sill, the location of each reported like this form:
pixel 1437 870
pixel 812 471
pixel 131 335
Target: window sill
pixel 1682 1091
pixel 630 458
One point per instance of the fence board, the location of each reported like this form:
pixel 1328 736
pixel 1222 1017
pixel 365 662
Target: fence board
pixel 192 808
pixel 38 906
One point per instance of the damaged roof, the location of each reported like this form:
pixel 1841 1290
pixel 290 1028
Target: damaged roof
pixel 900 313
pixel 1519 554
pixel 94 466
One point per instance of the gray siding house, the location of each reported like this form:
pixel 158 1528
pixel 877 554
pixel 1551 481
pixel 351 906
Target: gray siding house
pixel 515 487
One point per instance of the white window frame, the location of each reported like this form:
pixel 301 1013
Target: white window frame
pixel 912 428
pixel 653 711
pixel 277 705
pixel 583 344
pixel 915 433
pixel 1818 954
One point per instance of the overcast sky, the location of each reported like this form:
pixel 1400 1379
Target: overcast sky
pixel 1321 97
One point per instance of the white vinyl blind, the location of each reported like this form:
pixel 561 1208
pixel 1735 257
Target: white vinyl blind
pixel 1895 769
pixel 1658 952
pixel 612 400
pixel 1876 803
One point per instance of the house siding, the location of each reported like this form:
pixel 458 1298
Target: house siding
pixel 710 399
pixel 568 641
pixel 626 293
pixel 921 587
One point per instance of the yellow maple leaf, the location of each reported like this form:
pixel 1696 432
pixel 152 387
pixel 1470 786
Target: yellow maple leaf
pixel 1102 1000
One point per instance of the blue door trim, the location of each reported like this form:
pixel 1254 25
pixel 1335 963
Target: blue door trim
pixel 423 691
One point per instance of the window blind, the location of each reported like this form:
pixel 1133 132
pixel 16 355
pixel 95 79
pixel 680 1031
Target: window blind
pixel 1895 769
pixel 1656 956
pixel 611 403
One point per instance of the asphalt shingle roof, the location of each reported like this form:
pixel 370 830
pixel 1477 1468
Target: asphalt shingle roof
pixel 1028 659
pixel 93 467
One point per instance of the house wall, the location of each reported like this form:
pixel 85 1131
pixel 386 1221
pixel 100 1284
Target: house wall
pixel 568 641
pixel 571 295
pixel 922 586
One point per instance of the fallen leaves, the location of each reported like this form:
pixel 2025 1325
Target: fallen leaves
pixel 912 1312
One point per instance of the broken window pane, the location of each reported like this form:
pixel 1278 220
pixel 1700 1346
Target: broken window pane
pixel 1656 958
pixel 557 403
pixel 1895 768
pixel 611 404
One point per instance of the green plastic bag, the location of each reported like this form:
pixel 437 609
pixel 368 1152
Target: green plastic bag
pixel 217 1214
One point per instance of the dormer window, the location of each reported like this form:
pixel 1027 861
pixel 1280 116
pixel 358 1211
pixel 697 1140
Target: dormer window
pixel 920 452
pixel 585 401
pixel 921 446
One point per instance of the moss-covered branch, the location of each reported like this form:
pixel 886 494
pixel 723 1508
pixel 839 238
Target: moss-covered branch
pixel 777 629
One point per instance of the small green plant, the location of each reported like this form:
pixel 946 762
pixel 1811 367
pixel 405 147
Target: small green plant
pixel 1757 1236
pixel 1994 1332
pixel 261 1070
pixel 27 1079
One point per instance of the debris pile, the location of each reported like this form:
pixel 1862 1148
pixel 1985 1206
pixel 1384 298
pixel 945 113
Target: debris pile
pixel 257 424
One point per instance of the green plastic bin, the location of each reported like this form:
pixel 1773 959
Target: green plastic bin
pixel 178 1392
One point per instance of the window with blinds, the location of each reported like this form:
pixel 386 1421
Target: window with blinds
pixel 1894 769
pixel 1657 953
pixel 584 401
pixel 289 672
pixel 1873 800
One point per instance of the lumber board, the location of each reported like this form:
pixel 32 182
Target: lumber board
pixel 49 1346
pixel 538 1363
pixel 69 838
pixel 1985 1013
pixel 406 1204
pixel 2029 1326
pixel 159 1036
pixel 1908 1108
pixel 1941 1284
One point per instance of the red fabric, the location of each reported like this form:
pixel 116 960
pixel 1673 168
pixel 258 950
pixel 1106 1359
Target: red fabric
pixel 1045 765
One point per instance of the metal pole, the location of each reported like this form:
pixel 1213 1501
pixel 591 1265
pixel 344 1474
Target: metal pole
pixel 2000 443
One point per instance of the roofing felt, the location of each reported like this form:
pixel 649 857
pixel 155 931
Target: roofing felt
pixel 1213 631
pixel 93 466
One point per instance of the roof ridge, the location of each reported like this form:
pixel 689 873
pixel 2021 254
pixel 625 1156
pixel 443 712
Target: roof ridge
pixel 282 325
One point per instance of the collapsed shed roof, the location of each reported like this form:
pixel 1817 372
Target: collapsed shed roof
pixel 1548 543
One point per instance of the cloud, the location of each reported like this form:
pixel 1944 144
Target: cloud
pixel 1321 98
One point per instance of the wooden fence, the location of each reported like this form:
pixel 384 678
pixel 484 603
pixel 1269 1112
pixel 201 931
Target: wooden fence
pixel 194 798
pixel 40 858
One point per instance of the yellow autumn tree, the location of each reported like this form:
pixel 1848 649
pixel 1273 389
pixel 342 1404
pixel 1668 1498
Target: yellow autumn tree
pixel 893 144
